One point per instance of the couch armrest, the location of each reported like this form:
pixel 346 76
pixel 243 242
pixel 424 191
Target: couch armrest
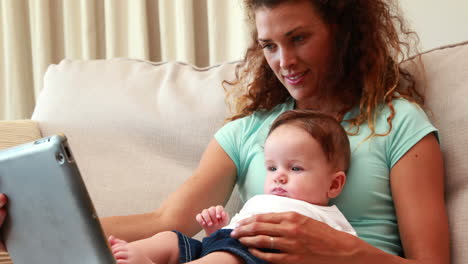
pixel 14 133
pixel 17 132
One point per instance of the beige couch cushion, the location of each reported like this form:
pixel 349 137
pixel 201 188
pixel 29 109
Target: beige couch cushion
pixel 137 129
pixel 447 98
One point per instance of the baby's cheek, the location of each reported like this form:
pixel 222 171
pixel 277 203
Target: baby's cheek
pixel 266 186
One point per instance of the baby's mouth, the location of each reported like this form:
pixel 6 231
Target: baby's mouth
pixel 279 191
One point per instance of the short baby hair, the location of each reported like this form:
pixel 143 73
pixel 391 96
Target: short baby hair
pixel 328 132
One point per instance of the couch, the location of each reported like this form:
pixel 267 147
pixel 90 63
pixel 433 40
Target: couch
pixel 137 129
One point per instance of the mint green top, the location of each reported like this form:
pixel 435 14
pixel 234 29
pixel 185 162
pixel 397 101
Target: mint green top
pixel 366 200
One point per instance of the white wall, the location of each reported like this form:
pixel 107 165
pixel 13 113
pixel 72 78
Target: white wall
pixel 438 22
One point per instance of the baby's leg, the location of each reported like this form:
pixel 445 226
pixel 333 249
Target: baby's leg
pixel 219 257
pixel 160 248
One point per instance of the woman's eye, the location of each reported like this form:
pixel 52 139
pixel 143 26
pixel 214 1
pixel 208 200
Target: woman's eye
pixel 268 47
pixel 298 38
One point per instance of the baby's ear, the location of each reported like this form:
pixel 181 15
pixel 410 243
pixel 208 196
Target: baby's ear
pixel 337 184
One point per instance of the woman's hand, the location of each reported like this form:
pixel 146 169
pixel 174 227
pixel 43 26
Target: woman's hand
pixel 299 238
pixel 3 201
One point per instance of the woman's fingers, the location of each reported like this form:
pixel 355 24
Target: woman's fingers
pixel 273 218
pixel 2 215
pixel 261 241
pixel 281 231
pixel 257 228
pixel 264 241
pixel 283 244
pixel 3 200
pixel 262 224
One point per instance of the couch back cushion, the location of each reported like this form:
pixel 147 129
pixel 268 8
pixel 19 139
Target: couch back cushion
pixel 446 90
pixel 137 129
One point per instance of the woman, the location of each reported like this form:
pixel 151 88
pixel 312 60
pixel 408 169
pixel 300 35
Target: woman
pixel 341 58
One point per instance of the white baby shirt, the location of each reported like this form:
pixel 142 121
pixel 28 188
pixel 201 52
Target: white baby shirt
pixel 266 203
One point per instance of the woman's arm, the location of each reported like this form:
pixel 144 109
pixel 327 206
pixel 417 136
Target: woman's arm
pixel 211 184
pixel 417 182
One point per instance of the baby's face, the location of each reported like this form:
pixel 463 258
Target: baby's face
pixel 296 166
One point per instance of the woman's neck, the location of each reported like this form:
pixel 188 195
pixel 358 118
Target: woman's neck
pixel 330 106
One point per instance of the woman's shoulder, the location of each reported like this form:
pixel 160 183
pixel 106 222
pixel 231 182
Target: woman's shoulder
pixel 409 119
pixel 404 104
pixel 406 115
pixel 403 110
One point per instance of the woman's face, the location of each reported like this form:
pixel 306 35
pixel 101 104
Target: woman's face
pixel 296 44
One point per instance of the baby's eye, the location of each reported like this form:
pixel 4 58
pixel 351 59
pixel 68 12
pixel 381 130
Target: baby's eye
pixel 296 168
pixel 270 168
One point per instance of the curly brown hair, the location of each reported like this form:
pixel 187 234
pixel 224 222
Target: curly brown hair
pixel 371 42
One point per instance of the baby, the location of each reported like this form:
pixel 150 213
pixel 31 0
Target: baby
pixel 306 157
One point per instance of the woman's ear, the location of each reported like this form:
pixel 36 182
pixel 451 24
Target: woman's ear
pixel 337 184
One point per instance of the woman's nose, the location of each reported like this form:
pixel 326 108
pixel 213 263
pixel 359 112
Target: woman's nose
pixel 288 58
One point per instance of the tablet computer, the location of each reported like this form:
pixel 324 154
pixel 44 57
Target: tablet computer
pixel 50 217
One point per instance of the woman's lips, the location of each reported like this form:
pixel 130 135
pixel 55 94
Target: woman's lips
pixel 279 191
pixel 296 78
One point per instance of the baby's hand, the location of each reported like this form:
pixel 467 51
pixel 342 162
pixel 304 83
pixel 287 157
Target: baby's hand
pixel 212 219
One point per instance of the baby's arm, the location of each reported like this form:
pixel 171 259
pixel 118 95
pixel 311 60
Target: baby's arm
pixel 212 219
